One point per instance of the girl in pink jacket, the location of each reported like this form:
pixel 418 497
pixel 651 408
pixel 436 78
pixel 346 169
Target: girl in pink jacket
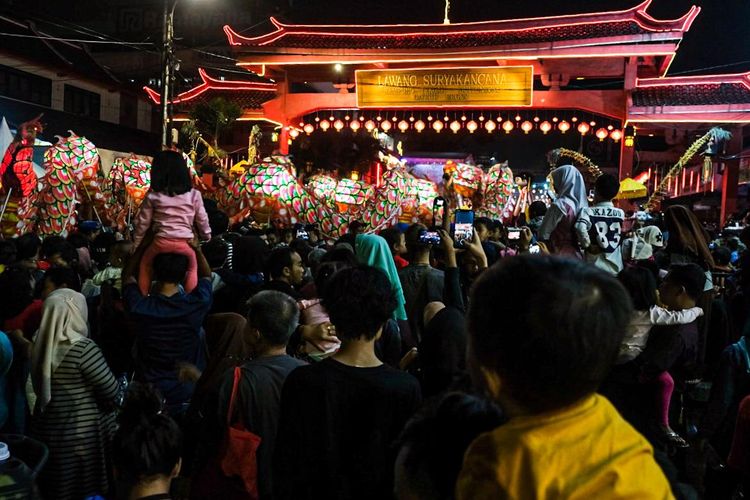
pixel 175 212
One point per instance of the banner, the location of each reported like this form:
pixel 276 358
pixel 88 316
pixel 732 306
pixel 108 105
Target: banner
pixel 449 87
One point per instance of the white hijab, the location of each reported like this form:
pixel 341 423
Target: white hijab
pixel 64 323
pixel 570 188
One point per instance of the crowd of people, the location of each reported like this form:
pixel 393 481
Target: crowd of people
pixel 580 353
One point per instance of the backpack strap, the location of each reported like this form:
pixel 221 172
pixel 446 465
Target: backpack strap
pixel 233 397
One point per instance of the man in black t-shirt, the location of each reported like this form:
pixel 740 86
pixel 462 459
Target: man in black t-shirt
pixel 340 417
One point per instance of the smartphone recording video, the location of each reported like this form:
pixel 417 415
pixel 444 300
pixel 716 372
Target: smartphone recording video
pixel 464 228
pixel 514 233
pixel 429 237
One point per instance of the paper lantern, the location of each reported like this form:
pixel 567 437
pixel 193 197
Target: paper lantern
pixel 583 128
pixel 564 126
pixel 308 128
pixel 338 125
pixel 545 126
pixel 385 125
pixel 527 126
pixel 574 119
pixel 419 125
pixel 403 125
pixel 518 118
pixel 354 125
pixel 536 119
pixel 490 126
pixel 370 125
pixel 508 126
pixel 325 125
pixel 455 126
pixel 555 119
pixel 293 133
pixel 438 126
pixel 472 126
pixel 602 133
pixel 616 135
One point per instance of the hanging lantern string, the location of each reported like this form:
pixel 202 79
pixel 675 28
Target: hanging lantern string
pixel 716 133
pixel 554 156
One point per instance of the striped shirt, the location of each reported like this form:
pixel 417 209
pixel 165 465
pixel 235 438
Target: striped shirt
pixel 77 425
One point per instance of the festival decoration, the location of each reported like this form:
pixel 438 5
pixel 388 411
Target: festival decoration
pixel 455 126
pixel 527 126
pixel 716 134
pixel 583 128
pixel 616 135
pixel 545 127
pixel 564 126
pixel 472 126
pixel 437 125
pixel 592 168
pixel 17 174
pixel 385 126
pixel 602 133
pixel 419 126
pixel 309 128
pixel 508 126
pixel 354 125
pixel 490 126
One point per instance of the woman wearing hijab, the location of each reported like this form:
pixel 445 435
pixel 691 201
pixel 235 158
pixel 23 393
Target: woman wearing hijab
pixel 687 243
pixel 228 347
pixel 557 226
pixel 73 393
pixel 372 250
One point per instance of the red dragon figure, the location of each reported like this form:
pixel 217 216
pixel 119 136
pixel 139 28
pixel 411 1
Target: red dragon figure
pixel 17 167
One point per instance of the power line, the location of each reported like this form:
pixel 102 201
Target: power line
pixel 72 40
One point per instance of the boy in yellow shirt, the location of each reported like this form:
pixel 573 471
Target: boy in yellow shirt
pixel 543 334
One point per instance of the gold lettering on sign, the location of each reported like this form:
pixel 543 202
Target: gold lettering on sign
pixel 450 87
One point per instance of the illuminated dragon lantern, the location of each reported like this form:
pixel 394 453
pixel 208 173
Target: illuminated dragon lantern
pixel 72 178
pixel 17 174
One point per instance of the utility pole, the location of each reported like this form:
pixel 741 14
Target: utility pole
pixel 167 73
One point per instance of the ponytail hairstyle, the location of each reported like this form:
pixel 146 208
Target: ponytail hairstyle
pixel 148 442
pixel 170 174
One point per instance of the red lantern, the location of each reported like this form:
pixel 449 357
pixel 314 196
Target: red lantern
pixel 385 125
pixel 354 125
pixel 564 126
pixel 602 133
pixel 508 126
pixel 338 125
pixel 472 126
pixel 490 126
pixel 325 125
pixel 583 128
pixel 293 133
pixel 455 126
pixel 438 126
pixel 527 127
pixel 616 135
pixel 308 128
pixel 419 125
pixel 545 126
pixel 403 125
pixel 370 125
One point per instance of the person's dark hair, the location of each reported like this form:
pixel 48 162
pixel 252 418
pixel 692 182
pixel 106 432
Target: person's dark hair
pixel 218 221
pixel 689 276
pixel 16 292
pixel 607 186
pixel 170 267
pixel 210 205
pixel 340 254
pixel 249 255
pixel 63 276
pixel 356 225
pixel 391 235
pixel 170 174
pixel 303 249
pixel 27 246
pixel 484 221
pixel 359 301
pixel 413 245
pixel 722 256
pixel 274 314
pixel 641 285
pixel 52 245
pixel 67 253
pixel 561 328
pixel 101 247
pixel 78 240
pixel 537 209
pixel 744 235
pixel 431 466
pixel 278 260
pixel 216 252
pixel 7 252
pixel 148 442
